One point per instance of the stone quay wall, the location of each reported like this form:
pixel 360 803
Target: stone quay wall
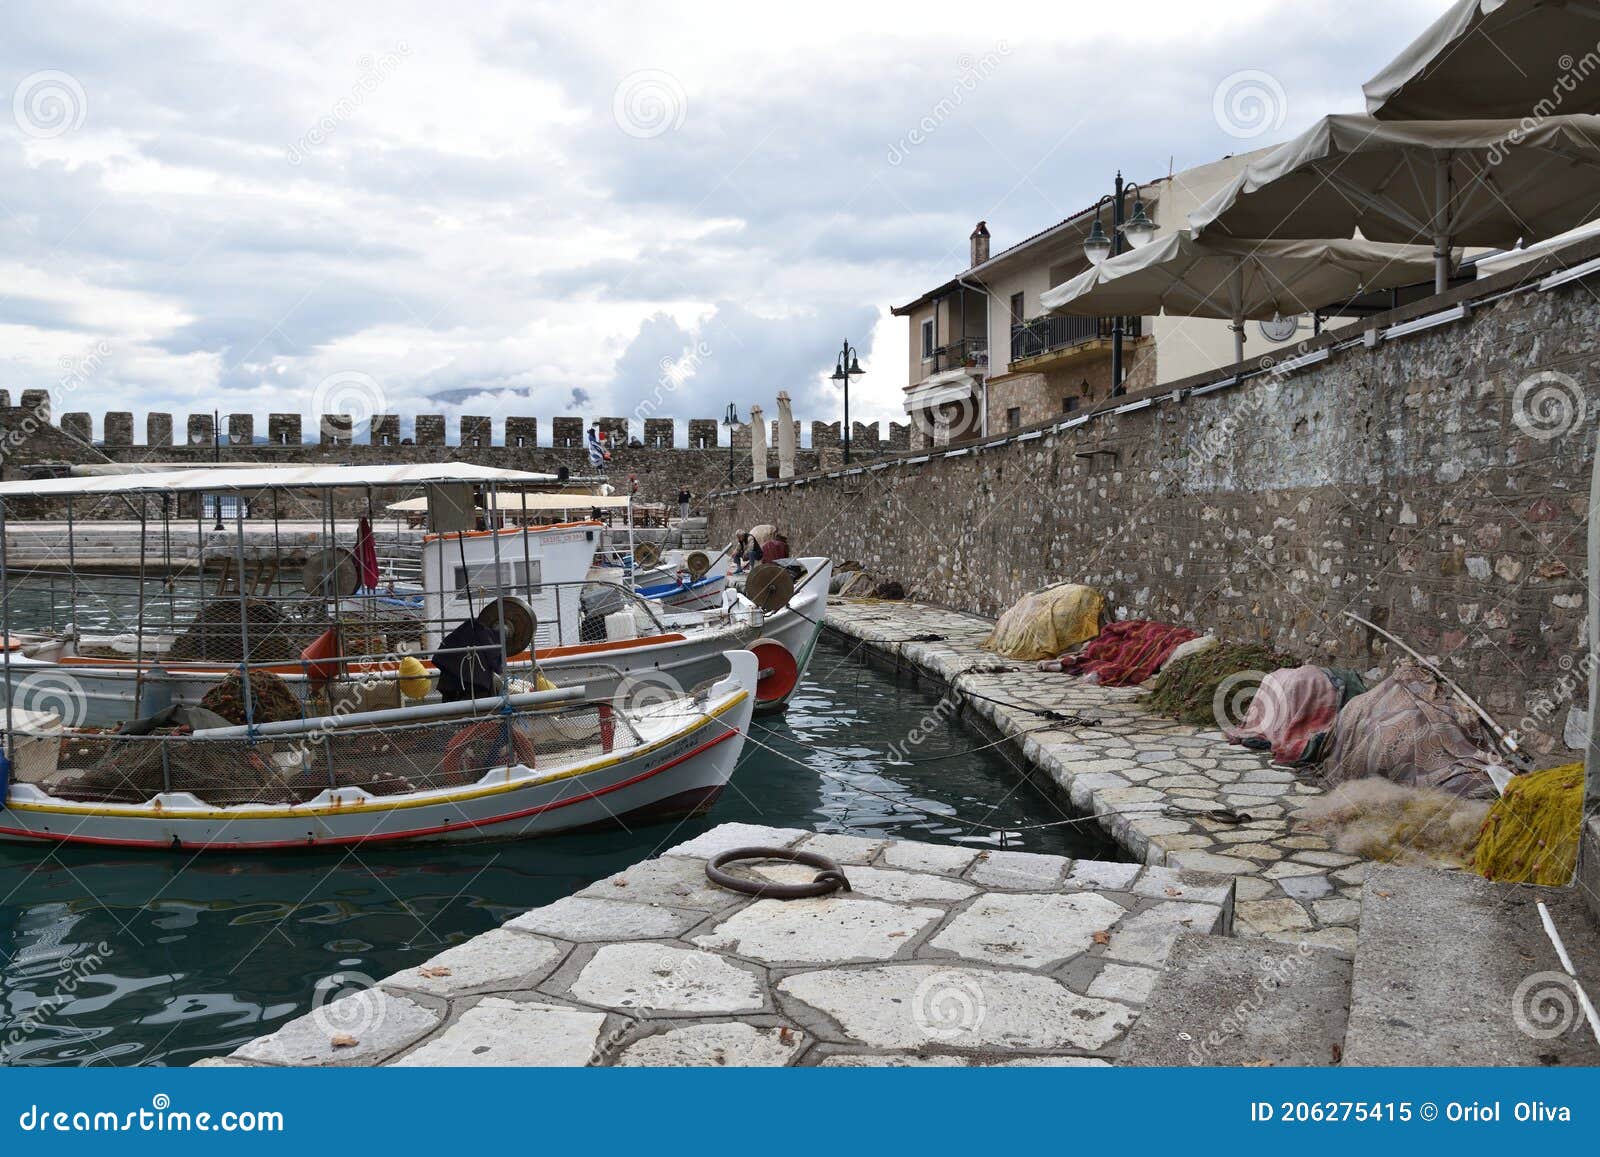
pixel 1435 483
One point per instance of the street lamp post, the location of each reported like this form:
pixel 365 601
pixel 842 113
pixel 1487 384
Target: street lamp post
pixel 730 420
pixel 216 456
pixel 1097 247
pixel 847 368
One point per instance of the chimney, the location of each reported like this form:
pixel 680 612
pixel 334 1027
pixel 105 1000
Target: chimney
pixel 980 244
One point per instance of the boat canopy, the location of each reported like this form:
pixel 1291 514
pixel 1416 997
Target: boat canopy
pixel 226 480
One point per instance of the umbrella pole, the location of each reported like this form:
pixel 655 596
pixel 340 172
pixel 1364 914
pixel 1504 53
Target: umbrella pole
pixel 1441 222
pixel 1236 291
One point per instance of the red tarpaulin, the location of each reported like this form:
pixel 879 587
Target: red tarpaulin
pixel 367 555
pixel 1126 652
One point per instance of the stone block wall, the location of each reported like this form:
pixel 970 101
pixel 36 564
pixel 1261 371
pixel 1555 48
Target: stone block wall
pixel 385 430
pixel 430 430
pixel 283 429
pixel 241 430
pixel 201 430
pixel 702 433
pixel 158 430
pixel 522 432
pixel 1437 485
pixel 336 429
pixel 79 425
pixel 477 430
pixel 567 431
pixel 658 432
pixel 119 428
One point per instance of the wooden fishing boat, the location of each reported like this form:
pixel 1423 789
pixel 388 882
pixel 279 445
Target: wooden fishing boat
pixel 515 766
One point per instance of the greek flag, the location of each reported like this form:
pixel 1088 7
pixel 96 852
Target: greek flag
pixel 597 452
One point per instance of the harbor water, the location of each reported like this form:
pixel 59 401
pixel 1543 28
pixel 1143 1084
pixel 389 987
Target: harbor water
pixel 149 958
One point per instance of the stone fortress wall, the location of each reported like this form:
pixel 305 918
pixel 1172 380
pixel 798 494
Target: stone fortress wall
pixel 695 457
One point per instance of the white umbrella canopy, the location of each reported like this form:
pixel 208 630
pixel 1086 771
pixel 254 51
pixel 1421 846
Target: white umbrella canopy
pixel 1475 182
pixel 1494 59
pixel 1237 279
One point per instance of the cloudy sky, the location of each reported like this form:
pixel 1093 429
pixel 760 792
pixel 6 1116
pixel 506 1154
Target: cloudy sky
pixel 576 208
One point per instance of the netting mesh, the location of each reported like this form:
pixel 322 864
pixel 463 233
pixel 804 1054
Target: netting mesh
pixel 391 760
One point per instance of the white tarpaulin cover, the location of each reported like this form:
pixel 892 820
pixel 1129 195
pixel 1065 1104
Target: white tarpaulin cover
pixel 1495 59
pixel 1477 182
pixel 229 480
pixel 1236 279
pixel 526 502
pixel 932 394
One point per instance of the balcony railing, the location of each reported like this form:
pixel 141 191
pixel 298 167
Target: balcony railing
pixel 968 353
pixel 1042 335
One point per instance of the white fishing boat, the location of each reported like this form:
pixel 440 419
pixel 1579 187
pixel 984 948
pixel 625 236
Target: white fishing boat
pixel 513 766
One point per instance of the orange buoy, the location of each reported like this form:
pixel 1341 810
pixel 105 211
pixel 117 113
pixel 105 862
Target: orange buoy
pixel 324 647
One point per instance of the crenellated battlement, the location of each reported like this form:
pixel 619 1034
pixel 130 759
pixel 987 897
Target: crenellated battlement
pixel 116 429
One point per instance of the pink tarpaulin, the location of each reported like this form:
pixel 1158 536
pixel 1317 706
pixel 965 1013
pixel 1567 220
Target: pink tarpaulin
pixel 1291 709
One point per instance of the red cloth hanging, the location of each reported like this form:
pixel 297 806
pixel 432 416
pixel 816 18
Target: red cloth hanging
pixel 367 554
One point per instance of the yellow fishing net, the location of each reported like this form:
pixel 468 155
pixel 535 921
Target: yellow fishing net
pixel 1531 834
pixel 1046 623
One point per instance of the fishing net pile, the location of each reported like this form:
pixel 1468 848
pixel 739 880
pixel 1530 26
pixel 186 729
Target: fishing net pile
pixel 1293 710
pixel 271 701
pixel 1409 729
pixel 1532 833
pixel 1047 623
pixel 216 634
pixel 1379 820
pixel 1187 687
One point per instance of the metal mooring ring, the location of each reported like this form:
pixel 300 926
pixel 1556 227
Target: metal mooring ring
pixel 830 877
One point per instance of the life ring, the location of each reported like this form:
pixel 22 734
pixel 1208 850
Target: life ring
pixel 492 729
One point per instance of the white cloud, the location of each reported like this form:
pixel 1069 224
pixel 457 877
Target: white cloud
pixel 256 199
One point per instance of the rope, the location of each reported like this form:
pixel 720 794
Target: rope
pixel 830 878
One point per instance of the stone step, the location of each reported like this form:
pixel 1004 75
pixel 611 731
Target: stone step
pixel 1452 969
pixel 1222 1001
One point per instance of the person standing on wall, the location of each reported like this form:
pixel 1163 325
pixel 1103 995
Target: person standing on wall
pixel 683 505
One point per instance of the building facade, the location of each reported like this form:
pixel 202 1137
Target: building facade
pixel 985 358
